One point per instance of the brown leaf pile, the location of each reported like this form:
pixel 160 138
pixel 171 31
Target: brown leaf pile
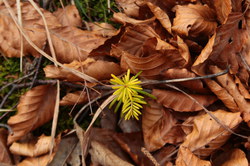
pixel 163 39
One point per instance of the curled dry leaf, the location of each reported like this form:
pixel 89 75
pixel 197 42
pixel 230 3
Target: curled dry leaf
pixel 33 26
pixel 102 155
pixel 231 158
pixel 78 97
pixel 180 102
pixel 124 19
pixel 95 68
pixel 161 16
pixel 187 158
pixel 102 29
pixel 195 85
pixel 37 161
pixel 208 135
pixel 134 38
pixel 35 108
pixel 223 47
pixel 159 127
pixel 5 156
pixel 226 81
pixel 130 7
pixel 32 148
pixel 194 20
pixel 69 16
pixel 71 43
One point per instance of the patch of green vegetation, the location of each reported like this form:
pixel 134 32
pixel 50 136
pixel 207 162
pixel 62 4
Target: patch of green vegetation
pixel 96 10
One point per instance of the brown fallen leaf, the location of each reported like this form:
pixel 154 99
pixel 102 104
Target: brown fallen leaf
pixel 102 29
pixel 187 158
pixel 163 156
pixel 195 85
pixel 161 16
pixel 223 47
pixel 5 156
pixel 71 43
pixel 77 97
pixel 95 68
pixel 33 26
pixel 159 127
pixel 132 143
pixel 134 37
pixel 180 102
pixel 68 16
pixel 35 108
pixel 37 161
pixel 231 158
pixel 131 7
pixel 194 20
pixel 226 81
pixel 32 149
pixel 124 19
pixel 208 135
pixel 101 155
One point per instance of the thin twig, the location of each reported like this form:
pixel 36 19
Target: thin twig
pixel 7 127
pixel 149 156
pixel 150 82
pixel 6 97
pixel 36 71
pixel 245 62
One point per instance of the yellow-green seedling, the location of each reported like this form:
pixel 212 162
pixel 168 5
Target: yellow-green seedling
pixel 128 92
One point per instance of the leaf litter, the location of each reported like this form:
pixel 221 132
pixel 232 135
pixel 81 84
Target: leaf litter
pixel 189 122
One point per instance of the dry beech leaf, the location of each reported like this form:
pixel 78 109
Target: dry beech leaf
pixel 95 68
pixel 32 149
pixel 180 102
pixel 162 156
pixel 102 155
pixel 69 16
pixel 222 9
pixel 244 92
pixel 194 20
pixel 124 19
pixel 37 161
pixel 33 26
pixel 231 158
pixel 35 108
pixel 134 38
pixel 78 97
pixel 187 158
pixel 195 85
pixel 223 47
pixel 227 82
pixel 159 127
pixel 102 29
pixel 208 135
pixel 130 7
pixel 5 156
pixel 161 16
pixel 132 144
pixel 71 43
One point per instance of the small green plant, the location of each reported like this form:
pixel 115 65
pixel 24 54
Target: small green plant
pixel 128 92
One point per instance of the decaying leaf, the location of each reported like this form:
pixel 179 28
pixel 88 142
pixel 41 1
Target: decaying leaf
pixel 208 135
pixel 130 7
pixel 5 156
pixel 35 108
pixel 33 26
pixel 180 102
pixel 194 20
pixel 187 158
pixel 102 29
pixel 69 16
pixel 33 148
pixel 231 158
pixel 159 127
pixel 101 155
pixel 95 68
pixel 124 19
